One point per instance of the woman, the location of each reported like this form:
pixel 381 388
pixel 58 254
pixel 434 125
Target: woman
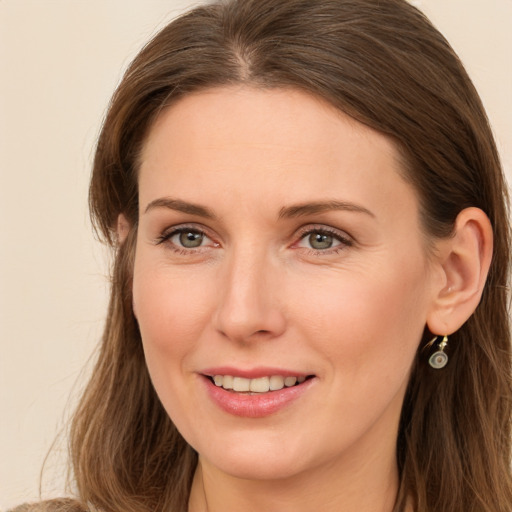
pixel 309 297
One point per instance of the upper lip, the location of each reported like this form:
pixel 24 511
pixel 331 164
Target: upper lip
pixel 252 373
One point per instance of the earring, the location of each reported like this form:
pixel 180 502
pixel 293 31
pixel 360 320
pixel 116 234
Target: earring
pixel 438 359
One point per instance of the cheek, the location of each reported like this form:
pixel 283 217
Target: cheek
pixel 369 322
pixel 167 315
pixel 168 307
pixel 171 312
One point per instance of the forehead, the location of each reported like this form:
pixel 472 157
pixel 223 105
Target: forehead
pixel 259 114
pixel 261 142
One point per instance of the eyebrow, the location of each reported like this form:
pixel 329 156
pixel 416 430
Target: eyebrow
pixel 304 209
pixel 287 212
pixel 180 206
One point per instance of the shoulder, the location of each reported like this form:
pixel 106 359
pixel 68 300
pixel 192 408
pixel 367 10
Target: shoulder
pixel 57 505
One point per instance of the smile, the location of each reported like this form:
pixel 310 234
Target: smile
pixel 259 385
pixel 256 397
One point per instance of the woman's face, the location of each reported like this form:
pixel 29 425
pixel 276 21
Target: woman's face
pixel 277 240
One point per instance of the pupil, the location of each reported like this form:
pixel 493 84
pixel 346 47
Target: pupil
pixel 320 241
pixel 190 239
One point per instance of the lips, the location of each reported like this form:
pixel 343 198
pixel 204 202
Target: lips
pixel 256 393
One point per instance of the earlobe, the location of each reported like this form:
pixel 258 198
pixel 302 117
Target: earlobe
pixel 464 260
pixel 122 228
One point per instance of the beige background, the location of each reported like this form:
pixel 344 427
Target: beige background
pixel 59 62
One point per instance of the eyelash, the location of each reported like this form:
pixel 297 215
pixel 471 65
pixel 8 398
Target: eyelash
pixel 344 241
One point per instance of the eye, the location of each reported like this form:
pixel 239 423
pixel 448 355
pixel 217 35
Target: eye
pixel 185 238
pixel 323 240
pixel 188 239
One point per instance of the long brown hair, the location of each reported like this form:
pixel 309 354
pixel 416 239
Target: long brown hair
pixel 384 64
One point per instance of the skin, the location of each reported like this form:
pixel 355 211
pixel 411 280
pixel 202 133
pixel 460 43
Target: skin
pixel 256 293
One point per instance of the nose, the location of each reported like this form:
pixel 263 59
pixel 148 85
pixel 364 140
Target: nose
pixel 249 306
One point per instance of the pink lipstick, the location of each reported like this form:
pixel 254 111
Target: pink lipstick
pixel 254 393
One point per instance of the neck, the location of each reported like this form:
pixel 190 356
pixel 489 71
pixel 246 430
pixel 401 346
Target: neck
pixel 353 486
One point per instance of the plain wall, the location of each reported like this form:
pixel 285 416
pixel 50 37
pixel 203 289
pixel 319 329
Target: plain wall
pixel 60 60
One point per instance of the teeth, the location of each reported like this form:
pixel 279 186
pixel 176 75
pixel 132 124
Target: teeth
pixel 227 382
pixel 259 385
pixel 276 382
pixel 290 381
pixel 241 384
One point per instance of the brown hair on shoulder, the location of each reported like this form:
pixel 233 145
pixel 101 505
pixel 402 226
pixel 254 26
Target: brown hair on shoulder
pixel 56 505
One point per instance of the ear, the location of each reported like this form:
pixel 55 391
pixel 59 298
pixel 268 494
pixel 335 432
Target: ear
pixel 464 261
pixel 122 228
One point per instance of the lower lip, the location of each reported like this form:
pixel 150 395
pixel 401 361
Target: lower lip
pixel 257 405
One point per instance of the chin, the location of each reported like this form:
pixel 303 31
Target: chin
pixel 251 458
pixel 257 467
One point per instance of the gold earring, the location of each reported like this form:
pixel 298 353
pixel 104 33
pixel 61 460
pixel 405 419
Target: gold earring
pixel 438 359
